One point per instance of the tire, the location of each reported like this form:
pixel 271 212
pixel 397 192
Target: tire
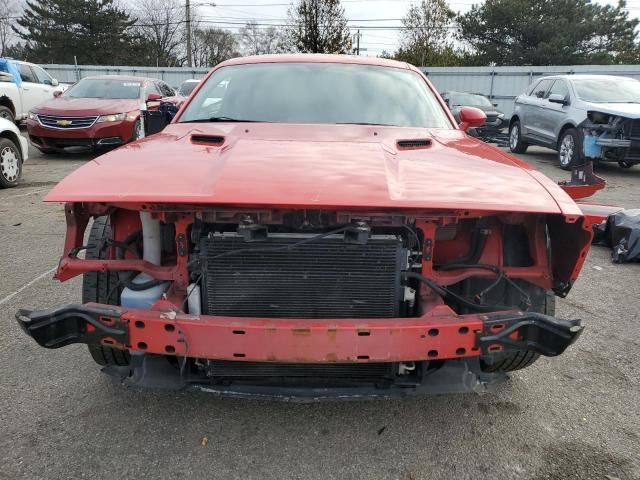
pixel 10 163
pixel 516 145
pixel 624 164
pixel 7 114
pixel 102 287
pixel 516 361
pixel 48 151
pixel 569 149
pixel 136 131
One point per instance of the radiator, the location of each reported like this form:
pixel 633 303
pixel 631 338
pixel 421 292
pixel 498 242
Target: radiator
pixel 326 278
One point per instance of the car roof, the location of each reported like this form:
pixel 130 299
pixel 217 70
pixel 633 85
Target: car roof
pixel 122 77
pixel 612 78
pixel 319 58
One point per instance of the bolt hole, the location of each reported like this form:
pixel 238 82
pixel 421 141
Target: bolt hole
pixel 142 345
pixel 139 324
pixel 495 348
pixel 108 341
pixel 434 332
pixel 432 353
pixel 170 349
pixel 364 334
pixel 238 332
pixel 497 328
pixel 463 330
pixel 169 327
pixel 239 355
pixel 461 351
pixel 363 357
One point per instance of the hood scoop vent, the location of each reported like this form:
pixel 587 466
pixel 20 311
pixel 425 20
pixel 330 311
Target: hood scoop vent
pixel 416 144
pixel 215 140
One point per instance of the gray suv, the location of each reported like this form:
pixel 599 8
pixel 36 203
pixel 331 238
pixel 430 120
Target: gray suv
pixel 563 111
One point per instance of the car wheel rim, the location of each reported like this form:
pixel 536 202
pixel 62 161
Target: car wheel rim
pixel 566 150
pixel 6 115
pixel 513 138
pixel 9 164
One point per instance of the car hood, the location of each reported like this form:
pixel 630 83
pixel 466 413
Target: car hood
pixel 86 106
pixel 313 166
pixel 627 110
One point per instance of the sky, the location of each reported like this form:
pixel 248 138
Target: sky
pixel 380 17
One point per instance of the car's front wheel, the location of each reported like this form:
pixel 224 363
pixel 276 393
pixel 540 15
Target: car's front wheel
pixel 516 145
pixel 10 163
pixel 568 148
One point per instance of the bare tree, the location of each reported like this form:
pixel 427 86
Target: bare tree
pixel 427 26
pixel 8 10
pixel 318 26
pixel 259 41
pixel 211 46
pixel 162 25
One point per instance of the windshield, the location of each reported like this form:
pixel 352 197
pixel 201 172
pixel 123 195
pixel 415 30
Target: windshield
pixel 104 88
pixel 324 93
pixel 187 87
pixel 470 100
pixel 605 91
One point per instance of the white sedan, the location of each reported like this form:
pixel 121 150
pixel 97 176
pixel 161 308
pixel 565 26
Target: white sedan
pixel 13 153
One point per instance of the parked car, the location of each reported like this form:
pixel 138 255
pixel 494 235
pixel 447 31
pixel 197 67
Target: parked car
pixel 14 151
pixel 554 111
pixel 97 112
pixel 23 85
pixel 496 120
pixel 314 233
pixel 187 87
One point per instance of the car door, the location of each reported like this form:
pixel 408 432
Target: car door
pixel 532 125
pixel 554 115
pixel 33 86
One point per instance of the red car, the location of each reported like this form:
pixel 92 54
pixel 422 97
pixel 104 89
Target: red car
pixel 315 226
pixel 97 112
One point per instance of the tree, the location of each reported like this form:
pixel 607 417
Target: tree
pixel 95 31
pixel 8 9
pixel 425 39
pixel 161 28
pixel 259 41
pixel 318 26
pixel 211 46
pixel 549 32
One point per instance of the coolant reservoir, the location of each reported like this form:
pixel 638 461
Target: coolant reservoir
pixel 142 298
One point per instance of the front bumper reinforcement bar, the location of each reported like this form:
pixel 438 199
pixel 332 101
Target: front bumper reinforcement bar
pixel 438 335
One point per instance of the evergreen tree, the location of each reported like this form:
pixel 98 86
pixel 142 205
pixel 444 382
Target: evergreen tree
pixel 95 31
pixel 549 32
pixel 318 26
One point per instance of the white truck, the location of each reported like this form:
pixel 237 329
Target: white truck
pixel 23 86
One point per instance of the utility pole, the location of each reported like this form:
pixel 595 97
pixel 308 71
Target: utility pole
pixel 188 22
pixel 358 42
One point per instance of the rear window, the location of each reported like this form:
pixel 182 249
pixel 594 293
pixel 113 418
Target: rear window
pixel 105 88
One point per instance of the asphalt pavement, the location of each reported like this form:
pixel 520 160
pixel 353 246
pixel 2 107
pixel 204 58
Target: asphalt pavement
pixel 573 417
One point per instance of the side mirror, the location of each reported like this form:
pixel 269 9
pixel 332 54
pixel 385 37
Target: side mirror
pixel 471 117
pixel 557 98
pixel 154 97
pixel 54 82
pixel 57 93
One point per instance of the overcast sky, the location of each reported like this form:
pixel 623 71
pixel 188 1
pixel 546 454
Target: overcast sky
pixel 383 15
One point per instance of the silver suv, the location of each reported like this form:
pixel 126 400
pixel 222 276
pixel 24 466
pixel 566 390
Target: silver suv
pixel 555 111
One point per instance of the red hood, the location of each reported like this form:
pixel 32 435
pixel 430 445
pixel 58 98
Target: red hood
pixel 86 106
pixel 314 166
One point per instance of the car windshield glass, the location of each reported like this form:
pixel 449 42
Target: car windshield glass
pixel 470 100
pixel 107 88
pixel 605 91
pixel 187 87
pixel 318 93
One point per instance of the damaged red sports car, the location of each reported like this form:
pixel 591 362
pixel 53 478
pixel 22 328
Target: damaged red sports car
pixel 314 227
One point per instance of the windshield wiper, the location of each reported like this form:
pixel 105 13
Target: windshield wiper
pixel 219 119
pixel 365 123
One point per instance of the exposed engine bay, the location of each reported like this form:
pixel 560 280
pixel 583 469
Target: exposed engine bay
pixel 611 138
